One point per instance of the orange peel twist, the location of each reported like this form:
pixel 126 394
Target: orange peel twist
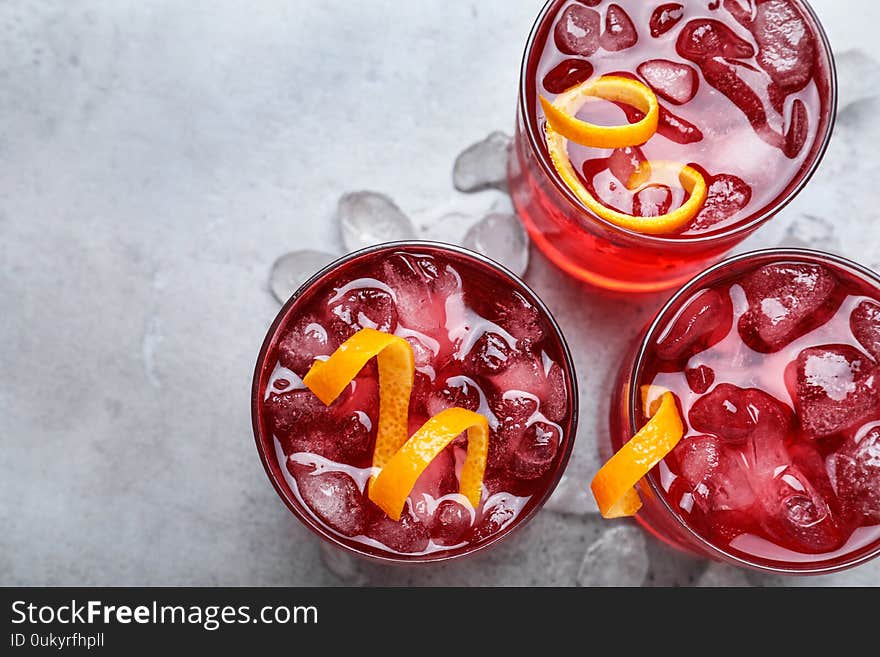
pixel 398 460
pixel 562 126
pixel 614 484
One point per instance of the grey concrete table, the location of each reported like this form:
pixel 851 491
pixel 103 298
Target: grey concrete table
pixel 157 157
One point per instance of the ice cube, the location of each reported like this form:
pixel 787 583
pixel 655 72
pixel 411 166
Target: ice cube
pixel 786 45
pixel 714 473
pixel 677 129
pixel 367 218
pixel 727 76
pixel 449 227
pixel 541 380
pixel 624 163
pixel 725 197
pixel 554 403
pixel 453 391
pixel 499 512
pixel 665 17
pixel 450 523
pixel 858 77
pixel 335 498
pixel 700 378
pixel 855 472
pixel 652 200
pixel 354 436
pixel 865 326
pixel 512 410
pixel 490 354
pixel 536 451
pixel 620 33
pixel 483 165
pixel 669 125
pixel 364 303
pixel 513 312
pixel 572 497
pixel 347 568
pixel 567 74
pixel 706 38
pixel 786 301
pixel 836 388
pixel 303 342
pixel 423 384
pixel 736 414
pixel 796 511
pixel 719 575
pixel 293 269
pixel 406 536
pixel 523 373
pixel 702 322
pixel 619 557
pixel 577 31
pixel 437 480
pixel 297 413
pixel 502 238
pixel 418 308
pixel 798 129
pixel 673 81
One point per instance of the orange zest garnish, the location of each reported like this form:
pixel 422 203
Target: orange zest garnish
pixel 562 125
pixel 327 379
pixel 398 462
pixel 614 484
pixel 561 113
pixel 393 484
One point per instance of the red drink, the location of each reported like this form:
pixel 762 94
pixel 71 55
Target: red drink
pixel 747 96
pixel 773 359
pixel 482 341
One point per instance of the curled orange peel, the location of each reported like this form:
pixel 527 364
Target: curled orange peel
pixel 561 112
pixel 327 379
pixel 395 481
pixel 614 484
pixel 397 460
pixel 562 126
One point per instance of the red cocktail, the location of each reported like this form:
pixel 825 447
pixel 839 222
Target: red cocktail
pixel 774 361
pixel 482 341
pixel 747 96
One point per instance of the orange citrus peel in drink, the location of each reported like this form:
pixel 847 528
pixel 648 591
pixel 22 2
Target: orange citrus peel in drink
pixel 398 460
pixel 395 481
pixel 327 379
pixel 614 484
pixel 561 113
pixel 563 125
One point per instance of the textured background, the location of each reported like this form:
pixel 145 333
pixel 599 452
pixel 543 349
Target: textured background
pixel 157 157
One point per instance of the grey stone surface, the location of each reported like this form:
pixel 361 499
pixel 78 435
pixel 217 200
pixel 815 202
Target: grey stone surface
pixel 157 158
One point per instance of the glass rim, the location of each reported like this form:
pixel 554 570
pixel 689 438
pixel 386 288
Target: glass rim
pixel 281 487
pixel 659 322
pixel 737 229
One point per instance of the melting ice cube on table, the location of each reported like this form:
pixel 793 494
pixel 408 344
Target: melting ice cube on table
pixel 617 558
pixel 502 238
pixel 483 164
pixel 293 269
pixel 858 77
pixel 367 218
